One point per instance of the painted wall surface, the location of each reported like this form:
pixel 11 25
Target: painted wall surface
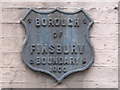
pixel 103 35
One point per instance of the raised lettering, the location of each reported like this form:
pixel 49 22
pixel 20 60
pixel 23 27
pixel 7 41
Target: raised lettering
pixel 43 60
pixel 63 23
pixel 81 48
pixel 44 21
pixel 51 48
pixel 32 48
pixel 50 22
pixel 57 22
pixel 72 62
pixel 73 49
pixel 37 20
pixel 58 49
pixel 70 22
pixel 76 23
pixel 38 60
pixel 66 49
pixel 44 49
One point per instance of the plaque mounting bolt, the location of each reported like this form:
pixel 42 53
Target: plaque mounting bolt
pixel 29 21
pixel 84 21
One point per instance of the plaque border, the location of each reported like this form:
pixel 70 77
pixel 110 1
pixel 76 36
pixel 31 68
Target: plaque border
pixel 87 38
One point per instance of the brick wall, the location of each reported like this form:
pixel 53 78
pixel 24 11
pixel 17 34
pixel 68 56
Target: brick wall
pixel 103 35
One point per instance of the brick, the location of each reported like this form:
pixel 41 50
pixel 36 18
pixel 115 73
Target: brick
pixel 21 5
pixel 92 84
pixel 0 67
pixel 0 28
pixel 0 44
pixel 0 76
pixel 14 1
pixel 15 4
pixel 12 60
pixel 104 43
pixel 17 85
pixel 0 19
pixel 102 58
pixel 38 85
pixel 13 30
pixel 18 14
pixel 112 15
pixel 0 70
pixel 17 30
pixel 0 86
pixel 30 85
pixel 38 77
pixel 16 75
pixel 106 58
pixel 60 1
pixel 15 16
pixel 97 42
pixel 103 74
pixel 12 44
pixel 104 30
pixel 118 73
pixel 13 85
pixel 86 5
pixel 6 85
pixel 13 75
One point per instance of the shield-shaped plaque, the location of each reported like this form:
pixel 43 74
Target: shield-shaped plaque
pixel 57 42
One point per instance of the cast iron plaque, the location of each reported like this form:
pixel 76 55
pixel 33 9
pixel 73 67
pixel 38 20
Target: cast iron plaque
pixel 57 43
